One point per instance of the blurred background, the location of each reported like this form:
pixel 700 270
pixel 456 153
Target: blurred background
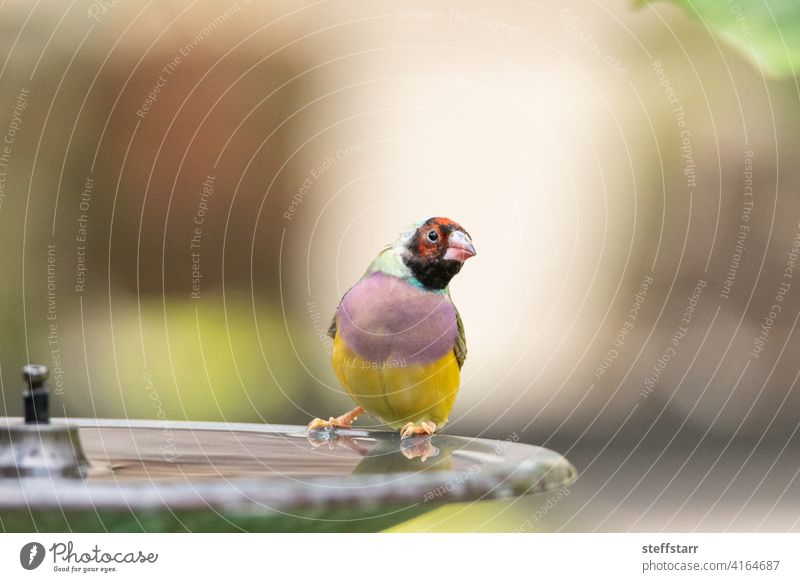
pixel 188 187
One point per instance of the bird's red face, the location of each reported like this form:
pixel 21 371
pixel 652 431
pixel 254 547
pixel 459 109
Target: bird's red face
pixel 441 238
pixel 437 250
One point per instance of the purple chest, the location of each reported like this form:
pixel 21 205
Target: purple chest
pixel 384 318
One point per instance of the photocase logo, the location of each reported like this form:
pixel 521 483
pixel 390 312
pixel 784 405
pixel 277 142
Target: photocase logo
pixel 31 555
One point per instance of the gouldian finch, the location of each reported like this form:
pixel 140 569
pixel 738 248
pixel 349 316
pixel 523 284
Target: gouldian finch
pixel 398 340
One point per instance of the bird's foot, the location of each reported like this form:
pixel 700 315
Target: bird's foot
pixel 413 429
pixel 346 420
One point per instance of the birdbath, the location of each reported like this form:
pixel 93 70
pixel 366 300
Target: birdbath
pixel 141 475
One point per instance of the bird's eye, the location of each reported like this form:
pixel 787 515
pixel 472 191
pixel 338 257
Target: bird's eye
pixel 433 236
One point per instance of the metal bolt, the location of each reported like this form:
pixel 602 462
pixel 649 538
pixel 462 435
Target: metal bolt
pixel 34 374
pixel 36 397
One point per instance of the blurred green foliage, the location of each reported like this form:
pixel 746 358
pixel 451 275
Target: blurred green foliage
pixel 211 359
pixel 766 31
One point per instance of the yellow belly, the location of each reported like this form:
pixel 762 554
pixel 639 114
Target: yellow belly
pixel 396 392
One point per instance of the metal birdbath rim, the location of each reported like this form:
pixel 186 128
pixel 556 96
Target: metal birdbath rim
pixel 361 480
pixel 524 469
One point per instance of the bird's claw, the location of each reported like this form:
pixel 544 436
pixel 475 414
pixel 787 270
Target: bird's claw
pixel 319 423
pixel 412 429
pixel 346 420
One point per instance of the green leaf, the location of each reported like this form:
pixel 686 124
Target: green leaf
pixel 766 31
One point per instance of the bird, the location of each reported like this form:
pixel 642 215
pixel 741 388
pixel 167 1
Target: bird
pixel 398 339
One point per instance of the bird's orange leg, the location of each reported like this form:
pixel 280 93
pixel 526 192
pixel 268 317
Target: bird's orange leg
pixel 346 420
pixel 413 429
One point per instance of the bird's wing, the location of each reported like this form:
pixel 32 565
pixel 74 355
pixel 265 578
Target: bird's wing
pixel 332 328
pixel 460 349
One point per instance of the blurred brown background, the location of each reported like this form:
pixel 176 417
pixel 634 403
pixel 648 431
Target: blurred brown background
pixel 189 187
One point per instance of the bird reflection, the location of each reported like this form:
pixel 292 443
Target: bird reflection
pixel 387 454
